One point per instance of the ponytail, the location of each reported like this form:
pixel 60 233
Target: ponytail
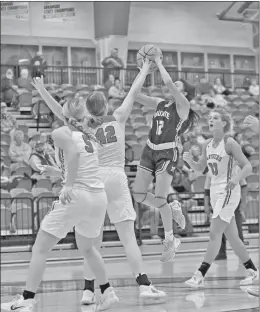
pixel 76 124
pixel 93 123
pixel 190 122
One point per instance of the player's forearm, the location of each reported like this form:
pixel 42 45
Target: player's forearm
pixel 137 85
pixel 72 165
pixel 197 166
pixel 245 172
pixel 53 105
pixel 244 191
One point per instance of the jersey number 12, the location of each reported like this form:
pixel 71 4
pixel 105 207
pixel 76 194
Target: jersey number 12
pixel 160 124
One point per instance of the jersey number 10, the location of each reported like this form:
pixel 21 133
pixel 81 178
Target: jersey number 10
pixel 213 168
pixel 160 124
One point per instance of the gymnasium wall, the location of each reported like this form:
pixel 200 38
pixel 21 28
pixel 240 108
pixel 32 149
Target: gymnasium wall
pixel 184 23
pixel 189 23
pixel 82 27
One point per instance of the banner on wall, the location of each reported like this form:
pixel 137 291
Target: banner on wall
pixel 59 11
pixel 15 10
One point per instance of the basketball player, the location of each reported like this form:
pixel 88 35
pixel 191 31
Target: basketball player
pixel 253 123
pixel 223 155
pixel 82 203
pixel 161 153
pixel 111 135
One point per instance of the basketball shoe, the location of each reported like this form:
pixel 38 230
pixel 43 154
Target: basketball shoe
pixel 198 299
pixel 253 291
pixel 88 297
pixel 196 281
pixel 150 292
pixel 252 276
pixel 177 214
pixel 107 299
pixel 170 248
pixel 19 305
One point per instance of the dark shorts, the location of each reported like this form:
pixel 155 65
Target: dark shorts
pixel 158 161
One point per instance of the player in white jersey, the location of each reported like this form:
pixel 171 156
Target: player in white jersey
pixel 82 203
pixel 253 123
pixel 111 153
pixel 223 155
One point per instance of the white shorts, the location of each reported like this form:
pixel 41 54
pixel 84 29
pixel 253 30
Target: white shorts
pixel 120 206
pixel 225 203
pixel 86 212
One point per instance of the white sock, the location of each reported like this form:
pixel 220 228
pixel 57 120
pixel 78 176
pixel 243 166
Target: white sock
pixel 169 235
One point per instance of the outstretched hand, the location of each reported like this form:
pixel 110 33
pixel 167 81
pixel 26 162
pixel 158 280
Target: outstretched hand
pixel 158 57
pixel 146 66
pixel 252 122
pixel 38 83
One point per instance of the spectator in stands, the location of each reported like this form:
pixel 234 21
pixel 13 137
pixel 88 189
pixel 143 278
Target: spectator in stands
pixel 19 151
pixel 116 92
pixel 212 100
pixel 112 64
pixel 218 87
pixel 4 174
pixel 40 158
pixel 110 82
pixel 48 148
pixel 25 81
pixel 196 137
pixel 8 121
pixel 254 88
pixel 9 89
pixel 38 65
pixel 203 87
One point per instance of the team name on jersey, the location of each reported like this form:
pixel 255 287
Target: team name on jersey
pixel 215 156
pixel 162 114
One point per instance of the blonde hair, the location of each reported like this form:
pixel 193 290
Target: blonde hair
pixel 225 116
pixel 75 112
pixel 74 108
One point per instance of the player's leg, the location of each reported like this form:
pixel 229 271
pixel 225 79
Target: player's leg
pixel 54 227
pixel 217 228
pixel 126 233
pixel 89 282
pixel 122 214
pixel 87 230
pixel 143 179
pixel 239 248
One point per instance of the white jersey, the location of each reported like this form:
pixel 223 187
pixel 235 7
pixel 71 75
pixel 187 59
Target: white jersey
pixel 88 171
pixel 221 166
pixel 111 135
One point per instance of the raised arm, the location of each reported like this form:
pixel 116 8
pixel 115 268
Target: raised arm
pixel 148 100
pixel 182 104
pixel 53 105
pixel 123 112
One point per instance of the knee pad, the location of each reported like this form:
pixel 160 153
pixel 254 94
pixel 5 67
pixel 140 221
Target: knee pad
pixel 139 197
pixel 160 202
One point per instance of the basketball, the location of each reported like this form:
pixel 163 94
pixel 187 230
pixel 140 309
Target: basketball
pixel 149 51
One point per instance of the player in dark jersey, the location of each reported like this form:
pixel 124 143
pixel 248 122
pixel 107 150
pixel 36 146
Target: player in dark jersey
pixel 161 153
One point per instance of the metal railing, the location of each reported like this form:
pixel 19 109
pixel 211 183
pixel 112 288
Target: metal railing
pixel 21 218
pixel 95 75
